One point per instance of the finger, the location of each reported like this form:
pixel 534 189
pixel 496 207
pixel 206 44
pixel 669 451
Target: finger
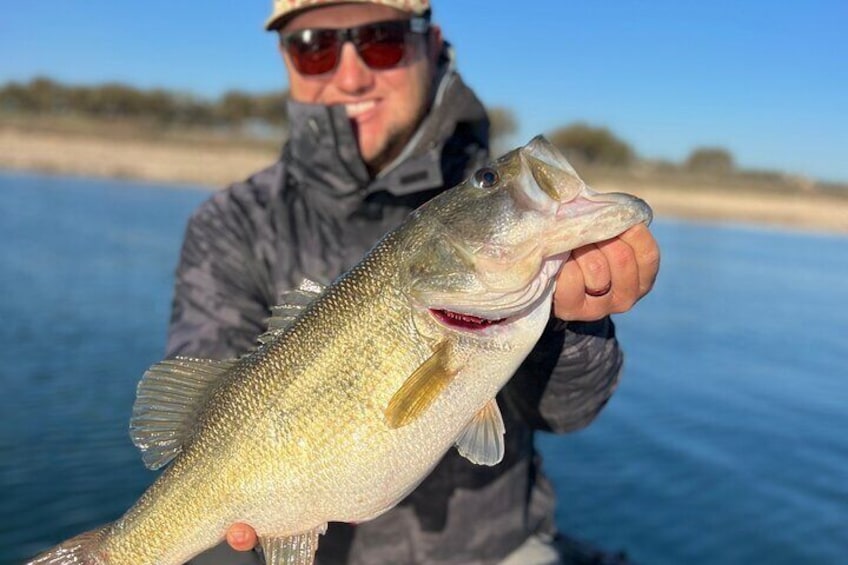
pixel 595 268
pixel 571 303
pixel 647 254
pixel 241 537
pixel 570 294
pixel 624 274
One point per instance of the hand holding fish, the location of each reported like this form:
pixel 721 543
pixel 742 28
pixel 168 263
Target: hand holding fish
pixel 607 277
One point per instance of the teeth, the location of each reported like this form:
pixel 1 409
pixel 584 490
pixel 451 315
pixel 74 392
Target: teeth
pixel 357 108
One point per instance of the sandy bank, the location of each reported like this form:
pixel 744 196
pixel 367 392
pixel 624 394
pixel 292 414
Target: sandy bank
pixel 215 165
pixel 207 164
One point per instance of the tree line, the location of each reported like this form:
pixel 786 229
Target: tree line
pixel 582 143
pixel 119 101
pixel 586 144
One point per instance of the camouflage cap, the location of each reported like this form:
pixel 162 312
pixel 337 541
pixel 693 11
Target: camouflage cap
pixel 283 9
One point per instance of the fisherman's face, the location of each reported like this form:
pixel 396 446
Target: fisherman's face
pixel 384 106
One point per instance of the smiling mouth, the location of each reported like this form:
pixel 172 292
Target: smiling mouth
pixel 355 109
pixel 464 321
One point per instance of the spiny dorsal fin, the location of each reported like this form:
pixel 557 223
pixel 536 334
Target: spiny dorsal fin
pixel 292 304
pixel 422 388
pixel 291 550
pixel 168 400
pixel 482 440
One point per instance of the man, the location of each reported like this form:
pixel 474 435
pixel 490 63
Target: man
pixel 379 123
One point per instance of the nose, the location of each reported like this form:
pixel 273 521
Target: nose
pixel 352 75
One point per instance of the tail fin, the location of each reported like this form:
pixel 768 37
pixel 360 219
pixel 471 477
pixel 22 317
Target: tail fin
pixel 79 550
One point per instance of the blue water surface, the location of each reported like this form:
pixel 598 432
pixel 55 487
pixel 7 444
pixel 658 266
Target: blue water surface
pixel 725 442
pixel 86 269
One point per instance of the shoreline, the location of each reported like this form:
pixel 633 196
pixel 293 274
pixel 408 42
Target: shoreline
pixel 200 162
pixel 214 164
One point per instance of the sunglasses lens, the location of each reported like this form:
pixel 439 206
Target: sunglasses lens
pixel 313 52
pixel 382 45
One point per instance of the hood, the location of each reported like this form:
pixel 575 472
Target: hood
pixel 322 153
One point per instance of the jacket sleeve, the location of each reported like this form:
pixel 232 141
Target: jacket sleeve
pixel 568 377
pixel 221 294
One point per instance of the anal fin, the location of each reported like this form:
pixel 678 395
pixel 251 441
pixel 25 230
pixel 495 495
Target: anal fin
pixel 298 549
pixel 79 549
pixel 482 440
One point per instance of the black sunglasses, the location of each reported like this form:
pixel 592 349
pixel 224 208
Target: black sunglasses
pixel 381 45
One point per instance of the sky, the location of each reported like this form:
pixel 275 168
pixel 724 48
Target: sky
pixel 767 81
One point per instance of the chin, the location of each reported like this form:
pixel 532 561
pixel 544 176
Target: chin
pixel 371 152
pixel 377 152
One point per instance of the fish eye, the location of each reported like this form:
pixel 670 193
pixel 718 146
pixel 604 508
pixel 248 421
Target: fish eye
pixel 486 177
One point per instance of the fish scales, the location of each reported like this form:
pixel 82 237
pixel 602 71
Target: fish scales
pixel 284 387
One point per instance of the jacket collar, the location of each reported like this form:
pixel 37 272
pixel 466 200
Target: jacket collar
pixel 322 152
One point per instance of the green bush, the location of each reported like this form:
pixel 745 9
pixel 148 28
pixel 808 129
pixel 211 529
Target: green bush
pixel 713 160
pixel 583 143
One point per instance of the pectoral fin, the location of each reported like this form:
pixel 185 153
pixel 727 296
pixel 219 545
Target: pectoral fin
pixel 422 388
pixel 292 550
pixel 482 441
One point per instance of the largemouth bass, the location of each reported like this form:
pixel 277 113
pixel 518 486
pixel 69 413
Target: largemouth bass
pixel 357 390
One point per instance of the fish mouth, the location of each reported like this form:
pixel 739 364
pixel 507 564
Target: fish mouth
pixel 583 205
pixel 491 311
pixel 466 322
pixel 590 202
pixel 552 185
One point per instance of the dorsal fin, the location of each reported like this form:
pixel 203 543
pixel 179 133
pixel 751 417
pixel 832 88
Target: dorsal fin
pixel 292 303
pixel 168 400
pixel 421 388
pixel 481 441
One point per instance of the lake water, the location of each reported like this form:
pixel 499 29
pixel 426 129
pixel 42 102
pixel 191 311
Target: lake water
pixel 727 441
